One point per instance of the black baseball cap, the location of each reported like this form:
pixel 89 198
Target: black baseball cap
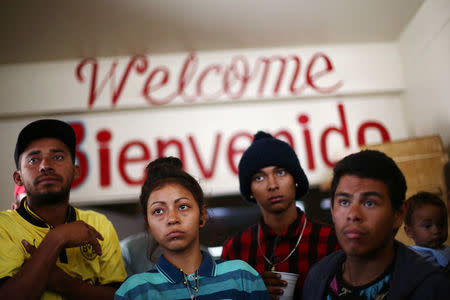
pixel 45 128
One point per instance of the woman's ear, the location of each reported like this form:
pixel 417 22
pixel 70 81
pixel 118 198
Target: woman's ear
pixel 203 216
pixel 147 225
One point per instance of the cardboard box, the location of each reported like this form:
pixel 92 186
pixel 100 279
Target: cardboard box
pixel 421 161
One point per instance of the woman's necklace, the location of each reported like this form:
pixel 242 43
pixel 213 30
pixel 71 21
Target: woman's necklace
pixel 273 265
pixel 187 283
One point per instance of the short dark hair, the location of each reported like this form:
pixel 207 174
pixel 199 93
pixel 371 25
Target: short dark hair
pixel 375 165
pixel 166 170
pixel 420 199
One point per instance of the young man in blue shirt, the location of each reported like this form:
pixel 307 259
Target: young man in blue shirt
pixel 367 196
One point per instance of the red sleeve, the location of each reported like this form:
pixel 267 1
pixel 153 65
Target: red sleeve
pixel 227 250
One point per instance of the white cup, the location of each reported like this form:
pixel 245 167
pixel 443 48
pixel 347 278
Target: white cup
pixel 291 279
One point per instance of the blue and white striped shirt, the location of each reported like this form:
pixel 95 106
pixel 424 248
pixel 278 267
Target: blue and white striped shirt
pixel 233 279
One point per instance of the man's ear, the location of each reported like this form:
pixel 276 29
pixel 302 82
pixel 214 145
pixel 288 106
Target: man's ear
pixel 331 209
pixel 77 172
pixel 399 215
pixel 17 177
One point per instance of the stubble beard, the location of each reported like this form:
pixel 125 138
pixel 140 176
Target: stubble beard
pixel 49 197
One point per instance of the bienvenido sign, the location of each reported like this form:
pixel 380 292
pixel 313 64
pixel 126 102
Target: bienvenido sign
pixel 114 148
pixel 207 166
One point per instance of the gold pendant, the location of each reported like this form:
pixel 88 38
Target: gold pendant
pixel 273 269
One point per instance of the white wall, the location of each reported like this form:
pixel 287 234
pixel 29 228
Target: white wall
pixel 425 50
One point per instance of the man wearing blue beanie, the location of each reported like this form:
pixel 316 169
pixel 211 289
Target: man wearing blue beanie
pixel 283 240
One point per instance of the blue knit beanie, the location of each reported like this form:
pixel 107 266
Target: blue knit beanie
pixel 266 151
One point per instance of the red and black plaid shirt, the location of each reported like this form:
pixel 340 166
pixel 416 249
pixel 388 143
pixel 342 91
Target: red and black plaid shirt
pixel 318 241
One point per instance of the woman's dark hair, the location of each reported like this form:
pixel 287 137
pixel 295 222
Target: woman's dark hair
pixel 166 170
pixel 420 199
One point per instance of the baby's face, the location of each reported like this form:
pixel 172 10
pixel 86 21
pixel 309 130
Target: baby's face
pixel 429 226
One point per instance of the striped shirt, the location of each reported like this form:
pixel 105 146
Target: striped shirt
pixel 216 280
pixel 318 241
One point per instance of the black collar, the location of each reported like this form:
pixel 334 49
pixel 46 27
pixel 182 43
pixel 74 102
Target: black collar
pixel 30 216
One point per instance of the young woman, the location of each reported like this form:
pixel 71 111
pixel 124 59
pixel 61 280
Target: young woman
pixel 174 211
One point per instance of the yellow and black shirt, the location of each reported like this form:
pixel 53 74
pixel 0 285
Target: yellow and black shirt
pixel 79 262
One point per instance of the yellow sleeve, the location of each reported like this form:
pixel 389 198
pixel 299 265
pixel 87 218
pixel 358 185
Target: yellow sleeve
pixel 12 253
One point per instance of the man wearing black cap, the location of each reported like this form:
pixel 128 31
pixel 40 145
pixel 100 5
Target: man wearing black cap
pixel 284 240
pixel 49 249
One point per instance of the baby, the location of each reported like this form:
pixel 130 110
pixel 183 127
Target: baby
pixel 426 223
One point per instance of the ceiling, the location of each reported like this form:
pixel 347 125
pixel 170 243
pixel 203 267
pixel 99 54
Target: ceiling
pixel 56 30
